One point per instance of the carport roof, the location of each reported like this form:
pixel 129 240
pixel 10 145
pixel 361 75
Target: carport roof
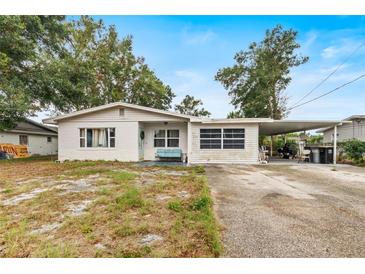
pixel 275 127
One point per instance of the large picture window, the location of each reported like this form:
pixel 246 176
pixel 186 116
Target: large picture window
pixel 210 138
pixel 226 138
pixel 166 138
pixel 97 137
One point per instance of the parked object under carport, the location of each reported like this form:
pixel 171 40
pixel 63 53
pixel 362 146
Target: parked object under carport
pixel 321 153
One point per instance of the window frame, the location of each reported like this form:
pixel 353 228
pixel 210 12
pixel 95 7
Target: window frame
pixel 91 147
pixel 26 137
pixel 234 138
pixel 223 138
pixel 166 138
pixel 206 138
pixel 49 139
pixel 172 138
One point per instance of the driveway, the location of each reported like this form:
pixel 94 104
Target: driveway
pixel 290 210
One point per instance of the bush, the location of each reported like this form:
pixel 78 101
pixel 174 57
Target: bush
pixel 355 150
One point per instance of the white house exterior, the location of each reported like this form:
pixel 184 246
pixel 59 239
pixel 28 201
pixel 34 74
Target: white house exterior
pixel 354 129
pixel 40 139
pixel 126 132
pixel 114 132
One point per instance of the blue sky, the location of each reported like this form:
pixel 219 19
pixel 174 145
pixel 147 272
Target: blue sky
pixel 186 52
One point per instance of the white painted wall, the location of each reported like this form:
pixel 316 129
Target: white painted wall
pixel 37 144
pixel 127 134
pixel 247 155
pixel 346 131
pixel 126 141
pixel 149 129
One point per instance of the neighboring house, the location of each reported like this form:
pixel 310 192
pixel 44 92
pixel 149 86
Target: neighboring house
pixel 355 129
pixel 40 139
pixel 126 132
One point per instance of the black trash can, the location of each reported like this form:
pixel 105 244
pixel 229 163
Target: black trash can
pixel 326 155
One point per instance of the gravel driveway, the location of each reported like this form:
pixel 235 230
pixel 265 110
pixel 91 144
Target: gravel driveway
pixel 290 210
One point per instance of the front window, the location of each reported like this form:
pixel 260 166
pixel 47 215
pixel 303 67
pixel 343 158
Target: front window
pixel 173 138
pixel 210 138
pixel 159 139
pixel 97 137
pixel 166 138
pixel 234 138
pixel 226 138
pixel 23 140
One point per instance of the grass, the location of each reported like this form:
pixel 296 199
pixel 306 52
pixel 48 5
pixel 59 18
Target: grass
pixel 122 211
pixel 132 198
pixel 122 176
pixel 175 205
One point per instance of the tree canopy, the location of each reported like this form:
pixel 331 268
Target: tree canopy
pixel 191 106
pixel 98 68
pixel 47 62
pixel 23 39
pixel 257 81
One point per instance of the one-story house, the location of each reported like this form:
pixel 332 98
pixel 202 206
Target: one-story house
pixel 127 132
pixel 40 139
pixel 354 129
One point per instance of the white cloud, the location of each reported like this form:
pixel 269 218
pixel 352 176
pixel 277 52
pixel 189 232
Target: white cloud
pixel 198 38
pixel 329 52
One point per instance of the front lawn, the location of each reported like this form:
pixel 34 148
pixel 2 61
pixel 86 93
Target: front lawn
pixel 105 209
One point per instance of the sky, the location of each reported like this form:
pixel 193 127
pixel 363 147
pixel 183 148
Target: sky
pixel 186 52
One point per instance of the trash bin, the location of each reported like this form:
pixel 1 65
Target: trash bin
pixel 315 155
pixel 326 155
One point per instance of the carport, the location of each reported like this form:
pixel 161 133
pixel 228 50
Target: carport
pixel 277 127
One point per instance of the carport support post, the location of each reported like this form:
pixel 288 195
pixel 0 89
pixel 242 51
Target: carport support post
pixel 334 145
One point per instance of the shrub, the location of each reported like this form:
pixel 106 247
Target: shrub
pixel 355 150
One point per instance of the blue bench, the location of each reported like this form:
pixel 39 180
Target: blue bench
pixel 166 154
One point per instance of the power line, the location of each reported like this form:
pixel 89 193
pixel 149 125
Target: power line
pixel 329 75
pixel 333 90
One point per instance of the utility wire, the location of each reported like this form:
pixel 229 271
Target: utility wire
pixel 333 90
pixel 329 75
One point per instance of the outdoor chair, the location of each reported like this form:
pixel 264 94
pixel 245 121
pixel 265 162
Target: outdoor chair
pixel 304 155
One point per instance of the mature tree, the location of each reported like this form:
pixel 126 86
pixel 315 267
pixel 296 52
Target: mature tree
pixel 48 63
pixel 191 106
pixel 98 68
pixel 256 82
pixel 23 40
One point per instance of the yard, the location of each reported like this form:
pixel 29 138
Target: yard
pixel 105 209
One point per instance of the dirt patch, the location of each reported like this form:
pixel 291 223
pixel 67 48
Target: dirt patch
pixel 23 197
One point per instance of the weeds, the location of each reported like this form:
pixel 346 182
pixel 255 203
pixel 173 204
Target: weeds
pixel 48 250
pixel 132 198
pixel 175 205
pixel 122 176
pixel 124 211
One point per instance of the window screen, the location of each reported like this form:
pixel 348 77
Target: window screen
pixel 234 138
pixel 210 138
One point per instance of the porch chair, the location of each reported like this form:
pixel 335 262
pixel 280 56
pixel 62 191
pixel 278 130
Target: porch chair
pixel 304 154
